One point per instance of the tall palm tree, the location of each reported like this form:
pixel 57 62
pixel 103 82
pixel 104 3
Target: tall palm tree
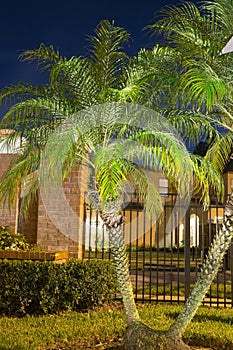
pixel 196 37
pixel 75 85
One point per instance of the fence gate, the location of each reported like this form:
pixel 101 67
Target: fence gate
pixel 165 253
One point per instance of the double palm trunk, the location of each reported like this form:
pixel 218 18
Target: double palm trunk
pixel 140 333
pixel 209 270
pixel 137 336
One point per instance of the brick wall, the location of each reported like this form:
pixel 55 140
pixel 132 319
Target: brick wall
pixel 28 224
pixel 58 225
pixel 39 227
pixel 7 217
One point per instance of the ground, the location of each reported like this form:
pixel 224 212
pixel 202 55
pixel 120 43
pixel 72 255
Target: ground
pixel 111 345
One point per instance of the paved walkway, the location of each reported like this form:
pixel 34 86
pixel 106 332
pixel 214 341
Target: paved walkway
pixel 153 277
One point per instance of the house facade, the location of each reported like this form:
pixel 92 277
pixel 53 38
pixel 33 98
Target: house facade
pixel 66 223
pixel 38 225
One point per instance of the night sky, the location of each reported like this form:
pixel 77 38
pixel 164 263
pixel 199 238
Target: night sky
pixel 26 24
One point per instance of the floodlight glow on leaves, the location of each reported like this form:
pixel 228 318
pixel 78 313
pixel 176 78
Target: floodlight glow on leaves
pixel 124 141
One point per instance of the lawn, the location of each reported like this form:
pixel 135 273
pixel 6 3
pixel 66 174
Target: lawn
pixel 211 328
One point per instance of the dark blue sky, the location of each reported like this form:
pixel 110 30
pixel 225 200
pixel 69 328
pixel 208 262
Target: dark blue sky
pixel 26 24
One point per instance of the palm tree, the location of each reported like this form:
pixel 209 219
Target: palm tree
pixel 196 37
pixel 75 85
pixel 116 135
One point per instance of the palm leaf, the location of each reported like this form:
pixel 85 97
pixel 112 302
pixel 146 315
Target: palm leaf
pixel 207 177
pixel 107 53
pixel 220 152
pixel 204 85
pixel 46 56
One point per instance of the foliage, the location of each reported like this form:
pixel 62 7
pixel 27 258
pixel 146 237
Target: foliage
pixel 29 287
pixel 104 77
pixel 200 76
pixel 12 241
pixel 107 74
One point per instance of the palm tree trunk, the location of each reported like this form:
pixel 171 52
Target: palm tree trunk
pixel 121 263
pixel 137 336
pixel 209 270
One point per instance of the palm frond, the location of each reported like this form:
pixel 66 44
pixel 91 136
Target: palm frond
pixel 222 12
pixel 206 178
pixel 145 188
pixel 156 74
pixel 21 91
pixel 17 175
pixel 188 28
pixel 110 175
pixel 34 112
pixel 220 152
pixel 107 53
pixel 164 152
pixel 44 55
pixel 77 78
pixel 192 126
pixel 202 84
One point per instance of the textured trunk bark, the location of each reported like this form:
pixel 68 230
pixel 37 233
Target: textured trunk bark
pixel 120 259
pixel 209 270
pixel 137 336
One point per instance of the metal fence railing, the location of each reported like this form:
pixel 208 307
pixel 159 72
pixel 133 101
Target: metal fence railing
pixel 165 254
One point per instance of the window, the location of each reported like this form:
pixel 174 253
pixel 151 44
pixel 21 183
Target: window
pixel 163 186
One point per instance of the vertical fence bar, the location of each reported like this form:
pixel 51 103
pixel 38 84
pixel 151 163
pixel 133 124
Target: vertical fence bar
pixel 96 233
pixel 136 256
pixel 143 256
pixel 84 229
pixel 164 253
pixel 209 244
pixel 231 271
pixel 178 252
pixel 130 236
pixel 89 237
pixel 150 275
pixel 203 237
pixel 217 277
pixel 171 248
pixel 197 237
pixel 159 275
pixel 157 261
pixel 187 254
pixel 103 244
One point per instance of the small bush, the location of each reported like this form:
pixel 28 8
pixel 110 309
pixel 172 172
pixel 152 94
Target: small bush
pixel 36 287
pixel 12 241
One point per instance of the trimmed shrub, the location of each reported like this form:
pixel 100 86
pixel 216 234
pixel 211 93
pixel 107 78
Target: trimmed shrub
pixel 12 241
pixel 37 287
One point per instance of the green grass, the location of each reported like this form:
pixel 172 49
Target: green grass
pixel 211 327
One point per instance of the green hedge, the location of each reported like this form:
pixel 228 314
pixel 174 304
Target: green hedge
pixel 35 287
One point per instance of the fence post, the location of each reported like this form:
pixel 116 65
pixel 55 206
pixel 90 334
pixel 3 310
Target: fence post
pixel 187 254
pixel 231 269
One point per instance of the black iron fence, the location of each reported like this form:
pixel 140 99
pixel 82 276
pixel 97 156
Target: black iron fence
pixel 165 253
